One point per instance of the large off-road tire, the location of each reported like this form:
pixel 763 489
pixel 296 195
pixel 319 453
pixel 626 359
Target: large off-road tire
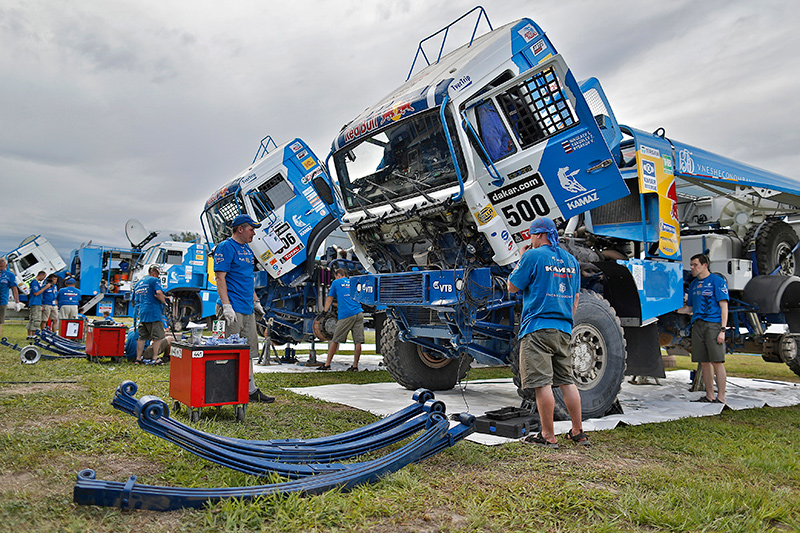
pixel 598 358
pixel 774 241
pixel 790 351
pixel 413 367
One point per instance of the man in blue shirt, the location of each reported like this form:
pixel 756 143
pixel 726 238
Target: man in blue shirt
pixel 37 287
pixel 550 280
pixel 50 303
pixel 149 298
pixel 68 299
pixel 351 318
pixel 234 264
pixel 707 302
pixel 7 281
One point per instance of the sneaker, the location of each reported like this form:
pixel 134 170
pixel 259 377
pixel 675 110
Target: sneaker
pixel 258 396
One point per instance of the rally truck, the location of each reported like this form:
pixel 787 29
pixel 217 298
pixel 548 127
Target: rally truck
pixel 187 276
pixel 441 179
pixel 288 191
pixel 33 255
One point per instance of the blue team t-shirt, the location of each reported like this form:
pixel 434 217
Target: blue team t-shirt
pixel 7 280
pixel 340 289
pixel 68 296
pixel 704 297
pixel 549 278
pixel 149 307
pixel 35 286
pixel 238 263
pixel 50 295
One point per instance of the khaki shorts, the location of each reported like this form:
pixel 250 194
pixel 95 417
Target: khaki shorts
pixel 68 311
pixel 344 326
pixel 34 317
pixel 50 312
pixel 152 331
pixel 2 314
pixel 545 359
pixel 704 342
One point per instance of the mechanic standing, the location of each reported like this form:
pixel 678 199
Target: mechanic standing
pixel 234 264
pixel 550 280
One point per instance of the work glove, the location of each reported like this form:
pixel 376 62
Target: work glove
pixel 228 313
pixel 20 306
pixel 258 307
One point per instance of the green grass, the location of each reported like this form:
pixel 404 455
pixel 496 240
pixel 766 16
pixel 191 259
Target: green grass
pixel 738 471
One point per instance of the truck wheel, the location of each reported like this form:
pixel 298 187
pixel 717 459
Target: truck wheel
pixel 598 354
pixel 413 367
pixel 775 240
pixel 790 352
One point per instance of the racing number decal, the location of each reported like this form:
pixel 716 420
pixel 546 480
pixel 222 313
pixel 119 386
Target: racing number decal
pixel 283 237
pixel 521 202
pixel 526 210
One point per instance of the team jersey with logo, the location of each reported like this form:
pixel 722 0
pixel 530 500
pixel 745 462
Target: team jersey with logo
pixel 704 297
pixel 340 289
pixel 549 278
pixel 238 262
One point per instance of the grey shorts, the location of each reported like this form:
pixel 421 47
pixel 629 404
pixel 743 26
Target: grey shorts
pixel 34 317
pixel 245 326
pixel 545 359
pixel 344 326
pixel 704 342
pixel 152 331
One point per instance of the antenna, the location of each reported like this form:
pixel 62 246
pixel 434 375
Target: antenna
pixel 136 234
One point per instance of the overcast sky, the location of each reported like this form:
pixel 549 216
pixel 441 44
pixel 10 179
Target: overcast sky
pixel 112 110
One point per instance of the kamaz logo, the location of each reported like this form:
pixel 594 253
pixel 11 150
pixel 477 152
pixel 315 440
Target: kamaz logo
pixel 442 287
pixel 559 270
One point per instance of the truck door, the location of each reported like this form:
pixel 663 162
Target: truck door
pixel 542 151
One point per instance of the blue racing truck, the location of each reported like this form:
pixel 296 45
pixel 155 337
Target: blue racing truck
pixel 187 276
pixel 441 179
pixel 287 190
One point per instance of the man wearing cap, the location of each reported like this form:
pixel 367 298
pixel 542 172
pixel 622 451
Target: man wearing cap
pixel 68 299
pixel 50 303
pixel 7 281
pixel 550 280
pixel 234 264
pixel 35 302
pixel 148 294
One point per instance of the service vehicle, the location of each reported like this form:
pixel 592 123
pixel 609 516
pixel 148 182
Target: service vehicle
pixel 33 255
pixel 441 179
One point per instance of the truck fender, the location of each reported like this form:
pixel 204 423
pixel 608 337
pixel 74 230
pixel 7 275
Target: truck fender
pixel 773 294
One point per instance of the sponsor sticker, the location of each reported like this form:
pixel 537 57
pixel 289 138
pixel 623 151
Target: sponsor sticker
pixel 666 161
pixel 652 152
pixel 528 32
pixel 296 147
pixel 509 192
pixel 649 181
pixel 309 163
pixel 197 354
pixel 485 215
pixel 302 154
pixel 539 47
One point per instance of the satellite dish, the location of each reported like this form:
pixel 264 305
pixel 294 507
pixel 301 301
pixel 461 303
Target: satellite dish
pixel 136 234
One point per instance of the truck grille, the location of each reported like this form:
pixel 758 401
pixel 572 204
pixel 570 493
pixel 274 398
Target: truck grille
pixel 401 288
pixel 420 316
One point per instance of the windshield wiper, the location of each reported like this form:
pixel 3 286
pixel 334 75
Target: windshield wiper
pixel 358 198
pixel 385 196
pixel 414 183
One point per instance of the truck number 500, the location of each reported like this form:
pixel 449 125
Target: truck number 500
pixel 526 210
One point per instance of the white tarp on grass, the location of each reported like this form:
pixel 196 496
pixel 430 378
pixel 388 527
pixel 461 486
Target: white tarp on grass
pixel 641 404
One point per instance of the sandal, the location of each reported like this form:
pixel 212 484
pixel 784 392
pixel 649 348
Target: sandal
pixel 580 438
pixel 157 362
pixel 539 440
pixel 138 362
pixel 324 367
pixel 703 399
pixel 352 369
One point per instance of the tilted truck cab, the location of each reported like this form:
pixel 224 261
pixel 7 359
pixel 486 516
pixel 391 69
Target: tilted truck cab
pixel 442 178
pixel 288 191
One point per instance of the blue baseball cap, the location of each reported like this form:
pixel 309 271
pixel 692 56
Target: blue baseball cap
pixel 70 281
pixel 244 219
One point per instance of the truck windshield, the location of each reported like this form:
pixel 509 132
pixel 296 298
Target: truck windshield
pixel 219 215
pixel 399 162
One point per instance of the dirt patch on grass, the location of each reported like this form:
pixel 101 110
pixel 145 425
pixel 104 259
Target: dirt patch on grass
pixel 34 388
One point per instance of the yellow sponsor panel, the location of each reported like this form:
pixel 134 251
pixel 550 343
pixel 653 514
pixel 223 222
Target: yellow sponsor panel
pixel 309 163
pixel 485 215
